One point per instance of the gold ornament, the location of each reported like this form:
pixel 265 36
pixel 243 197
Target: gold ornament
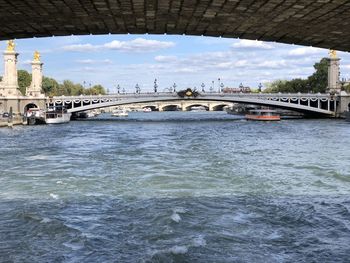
pixel 36 56
pixel 10 45
pixel 333 53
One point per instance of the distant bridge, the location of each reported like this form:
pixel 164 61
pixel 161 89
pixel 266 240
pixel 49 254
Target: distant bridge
pixel 309 104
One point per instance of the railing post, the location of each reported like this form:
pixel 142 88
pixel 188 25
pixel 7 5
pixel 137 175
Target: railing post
pixel 329 104
pixel 319 103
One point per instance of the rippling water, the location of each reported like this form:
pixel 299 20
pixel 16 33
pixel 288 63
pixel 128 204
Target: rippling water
pixel 176 187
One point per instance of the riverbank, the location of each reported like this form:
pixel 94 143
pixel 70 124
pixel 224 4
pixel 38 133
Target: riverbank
pixel 15 121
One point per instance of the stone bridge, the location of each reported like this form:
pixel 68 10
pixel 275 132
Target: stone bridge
pixel 309 104
pixel 322 23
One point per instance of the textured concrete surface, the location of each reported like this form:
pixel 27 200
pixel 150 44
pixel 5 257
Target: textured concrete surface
pixel 321 23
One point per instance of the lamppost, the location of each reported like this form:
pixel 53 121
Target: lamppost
pixel 174 87
pixel 155 86
pixel 137 88
pixel 212 86
pixel 222 87
pixel 241 87
pixel 219 84
pixel 203 86
pixel 123 91
pixel 260 87
pixel 118 89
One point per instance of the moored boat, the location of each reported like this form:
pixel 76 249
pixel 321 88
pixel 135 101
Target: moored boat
pixel 57 115
pixel 35 116
pixel 147 109
pixel 263 115
pixel 119 113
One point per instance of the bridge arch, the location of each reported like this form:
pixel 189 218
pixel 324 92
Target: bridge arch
pixel 220 107
pixel 170 107
pixel 192 106
pixel 270 20
pixel 30 105
pixel 323 104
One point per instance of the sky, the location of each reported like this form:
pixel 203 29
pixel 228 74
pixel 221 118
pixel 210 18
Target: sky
pixel 188 61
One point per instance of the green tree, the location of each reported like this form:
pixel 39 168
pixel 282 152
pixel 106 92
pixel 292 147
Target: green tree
pixel 317 82
pixel 50 86
pixel 24 80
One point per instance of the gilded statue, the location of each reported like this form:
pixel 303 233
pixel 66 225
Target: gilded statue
pixel 333 53
pixel 36 56
pixel 11 45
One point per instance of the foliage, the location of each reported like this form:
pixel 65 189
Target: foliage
pixel 24 80
pixel 52 88
pixel 317 82
pixel 347 88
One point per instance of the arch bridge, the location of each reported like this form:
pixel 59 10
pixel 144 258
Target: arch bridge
pixel 310 104
pixel 321 23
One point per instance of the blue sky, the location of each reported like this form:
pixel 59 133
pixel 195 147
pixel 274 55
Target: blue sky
pixel 188 61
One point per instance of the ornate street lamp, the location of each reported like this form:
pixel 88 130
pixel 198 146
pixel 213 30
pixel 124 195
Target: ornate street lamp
pixel 137 88
pixel 222 87
pixel 155 86
pixel 203 86
pixel 260 87
pixel 241 87
pixel 219 83
pixel 174 87
pixel 118 89
pixel 123 91
pixel 212 86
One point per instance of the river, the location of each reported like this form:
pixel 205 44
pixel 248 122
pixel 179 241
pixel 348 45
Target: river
pixel 176 187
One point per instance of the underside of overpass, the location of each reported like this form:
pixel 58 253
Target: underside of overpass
pixel 321 23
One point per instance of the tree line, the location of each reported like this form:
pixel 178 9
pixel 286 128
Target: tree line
pixel 315 83
pixel 51 87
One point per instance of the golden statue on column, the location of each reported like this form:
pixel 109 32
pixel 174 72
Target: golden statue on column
pixel 36 56
pixel 10 45
pixel 333 53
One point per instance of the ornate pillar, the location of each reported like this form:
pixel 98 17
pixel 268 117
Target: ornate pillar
pixel 35 88
pixel 9 85
pixel 333 73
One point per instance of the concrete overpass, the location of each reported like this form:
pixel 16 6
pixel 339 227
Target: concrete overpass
pixel 322 23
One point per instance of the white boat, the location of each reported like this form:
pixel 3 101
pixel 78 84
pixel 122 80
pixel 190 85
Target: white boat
pixel 35 116
pixel 147 109
pixel 198 108
pixel 57 115
pixel 91 114
pixel 119 113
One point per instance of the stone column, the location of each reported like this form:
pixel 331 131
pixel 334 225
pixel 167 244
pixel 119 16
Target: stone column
pixel 35 88
pixel 333 73
pixel 9 85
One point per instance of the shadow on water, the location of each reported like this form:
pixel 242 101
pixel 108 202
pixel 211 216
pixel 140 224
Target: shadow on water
pixel 193 229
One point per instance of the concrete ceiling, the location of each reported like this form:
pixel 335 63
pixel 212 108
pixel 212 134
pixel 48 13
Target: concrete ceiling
pixel 319 23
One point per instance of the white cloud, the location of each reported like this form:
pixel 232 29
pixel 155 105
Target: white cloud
pixel 251 44
pixel 80 48
pixel 136 45
pixel 139 45
pixel 92 61
pixel 165 59
pixel 303 51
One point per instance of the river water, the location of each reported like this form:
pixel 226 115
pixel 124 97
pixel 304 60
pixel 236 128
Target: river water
pixel 176 187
